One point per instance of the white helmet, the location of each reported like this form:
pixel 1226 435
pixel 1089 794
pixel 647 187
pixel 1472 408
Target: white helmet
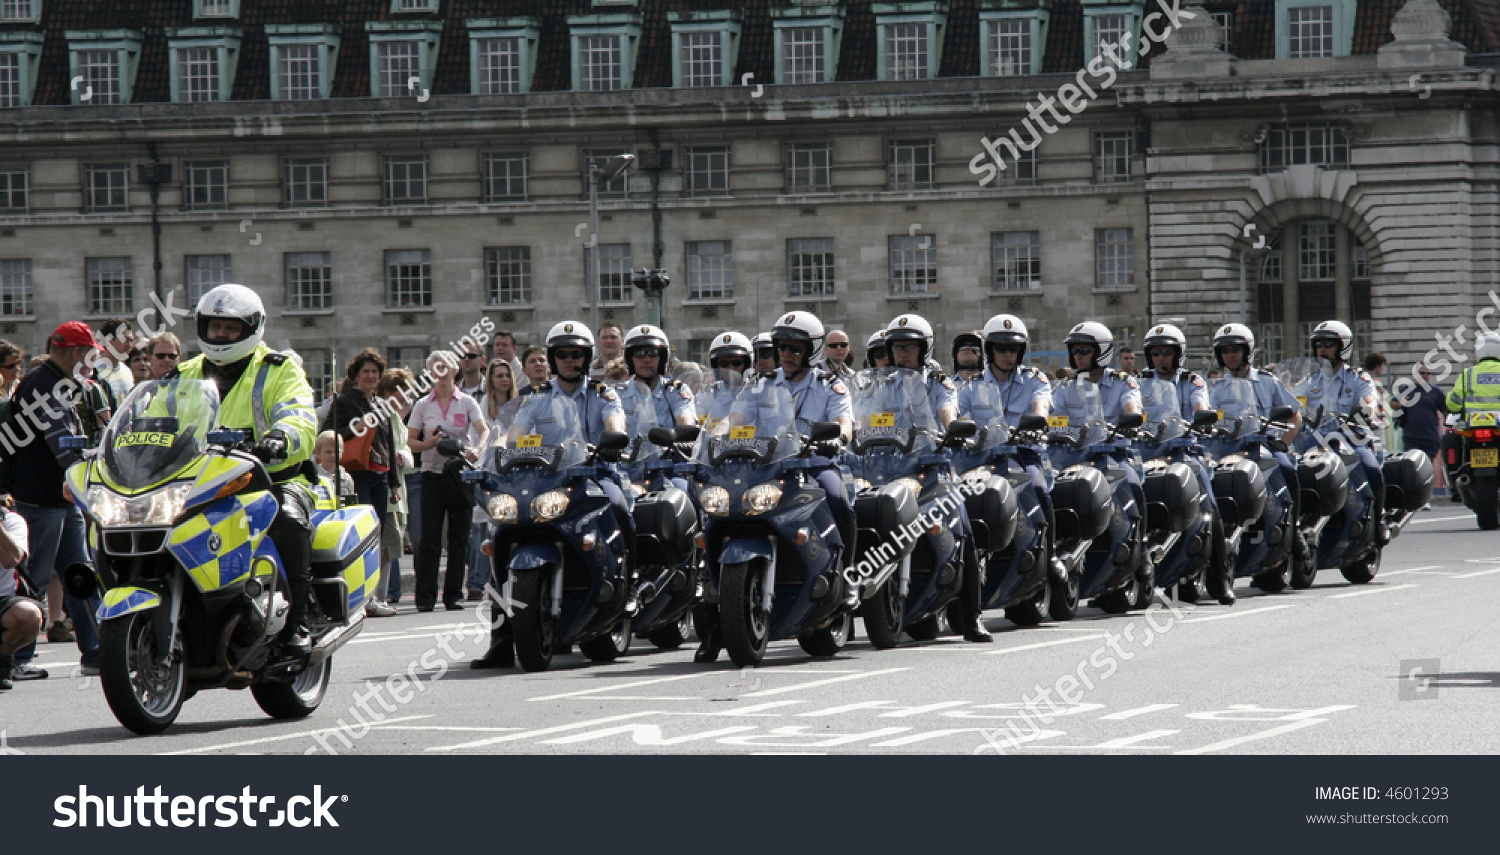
pixel 761 342
pixel 647 336
pixel 800 326
pixel 1166 335
pixel 236 303
pixel 1486 346
pixel 1006 329
pixel 729 344
pixel 910 328
pixel 1235 334
pixel 1334 330
pixel 1097 334
pixel 569 334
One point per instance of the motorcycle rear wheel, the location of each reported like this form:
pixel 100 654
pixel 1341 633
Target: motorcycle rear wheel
pixel 1273 581
pixel 829 640
pixel 1064 595
pixel 745 625
pixel 1363 571
pixel 673 635
pixel 884 613
pixel 609 646
pixel 1486 504
pixel 1033 611
pixel 925 629
pixel 534 624
pixel 144 696
pixel 297 699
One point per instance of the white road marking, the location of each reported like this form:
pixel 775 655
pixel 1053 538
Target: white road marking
pixel 1124 714
pixel 923 709
pixel 1236 613
pixel 285 736
pixel 1480 573
pixel 1372 591
pixel 647 734
pixel 1264 734
pixel 1388 574
pixel 653 681
pixel 546 731
pixel 816 683
pixel 758 709
pixel 914 738
pixel 1040 645
pixel 1439 519
pixel 862 705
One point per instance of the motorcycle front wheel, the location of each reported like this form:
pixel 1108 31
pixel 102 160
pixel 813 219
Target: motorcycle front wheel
pixel 745 625
pixel 297 699
pixel 1486 504
pixel 144 694
pixel 884 613
pixel 829 640
pixel 609 646
pixel 534 624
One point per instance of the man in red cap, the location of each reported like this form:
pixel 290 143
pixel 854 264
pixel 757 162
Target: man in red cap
pixel 45 408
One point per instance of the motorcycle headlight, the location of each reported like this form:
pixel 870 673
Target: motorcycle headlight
pixel 715 500
pixel 549 506
pixel 159 507
pixel 634 490
pixel 911 484
pixel 502 508
pixel 979 473
pixel 762 497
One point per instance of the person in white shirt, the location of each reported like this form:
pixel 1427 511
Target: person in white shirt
pixel 20 617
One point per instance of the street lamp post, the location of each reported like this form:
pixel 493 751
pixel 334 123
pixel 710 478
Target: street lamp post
pixel 600 174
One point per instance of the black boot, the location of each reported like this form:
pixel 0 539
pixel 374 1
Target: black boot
pixel 708 650
pixel 502 652
pixel 296 637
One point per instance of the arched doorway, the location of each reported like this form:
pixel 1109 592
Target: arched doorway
pixel 1317 270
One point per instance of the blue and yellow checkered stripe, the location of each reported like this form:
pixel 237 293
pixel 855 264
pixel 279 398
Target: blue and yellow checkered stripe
pixel 240 522
pixel 123 601
pixel 337 534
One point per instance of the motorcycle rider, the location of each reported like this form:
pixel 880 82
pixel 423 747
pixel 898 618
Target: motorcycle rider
pixel 910 339
pixel 1354 393
pixel 265 394
pixel 646 349
pixel 1476 390
pixel 817 396
pixel 765 354
pixel 877 355
pixel 1090 347
pixel 728 359
pixel 967 360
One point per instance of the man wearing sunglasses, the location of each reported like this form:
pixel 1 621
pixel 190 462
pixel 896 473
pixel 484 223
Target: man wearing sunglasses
pixel 1354 392
pixel 470 379
pixel 836 356
pixel 164 351
pixel 1165 346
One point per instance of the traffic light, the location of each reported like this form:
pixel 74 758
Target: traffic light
pixel 650 281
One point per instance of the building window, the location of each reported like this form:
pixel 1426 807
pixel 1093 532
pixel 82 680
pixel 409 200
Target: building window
pixel 317 364
pixel 413 5
pixel 1310 32
pixel 205 273
pixel 1225 20
pixel 10 79
pixel 697 350
pixel 604 48
pixel 802 55
pixel 616 188
pixel 809 267
pixel 100 70
pixel 1112 154
pixel 408 278
pixel 1359 262
pixel 1010 47
pixel 1112 32
pixel 809 168
pixel 216 8
pixel 705 47
pixel 906 52
pixel 15 287
pixel 507 275
pixel 913 264
pixel 303 57
pixel 15 185
pixel 400 62
pixel 106 61
pixel 111 286
pixel 406 180
pixel 705 171
pixel 1320 143
pixel 1114 252
pixel 909 164
pixel 710 270
pixel 105 186
pixel 614 272
pixel 413 359
pixel 20 10
pixel 910 36
pixel 198 74
pixel 205 186
pixel 807 42
pixel 502 55
pixel 203 63
pixel 1017 261
pixel 403 54
pixel 1020 172
pixel 299 73
pixel 1316 252
pixel 306 182
pixel 505 177
pixel 309 280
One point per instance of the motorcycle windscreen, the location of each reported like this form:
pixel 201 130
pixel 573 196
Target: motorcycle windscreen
pixel 716 401
pixel 984 404
pixel 1163 409
pixel 1077 419
pixel 762 422
pixel 891 407
pixel 159 430
pixel 640 418
pixel 548 430
pixel 1234 398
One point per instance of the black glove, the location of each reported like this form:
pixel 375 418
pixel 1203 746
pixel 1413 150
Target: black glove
pixel 831 448
pixel 271 448
pixel 1277 445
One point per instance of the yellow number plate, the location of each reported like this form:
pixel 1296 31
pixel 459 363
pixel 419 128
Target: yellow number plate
pixel 1302 399
pixel 745 432
pixel 530 440
pixel 1057 421
pixel 882 420
pixel 1482 420
pixel 1484 458
pixel 1221 414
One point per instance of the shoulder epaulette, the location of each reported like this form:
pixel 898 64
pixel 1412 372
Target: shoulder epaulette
pixel 276 358
pixel 598 386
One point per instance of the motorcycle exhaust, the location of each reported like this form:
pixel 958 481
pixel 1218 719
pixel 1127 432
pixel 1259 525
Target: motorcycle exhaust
pixel 334 640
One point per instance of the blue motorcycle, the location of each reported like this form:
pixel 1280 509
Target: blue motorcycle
pixel 560 548
pixel 770 563
pixel 1244 443
pixel 1184 534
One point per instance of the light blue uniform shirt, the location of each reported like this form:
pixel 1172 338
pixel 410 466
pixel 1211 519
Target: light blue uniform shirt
pixel 1116 390
pixel 1025 387
pixel 596 402
pixel 817 397
pixel 668 398
pixel 1190 390
pixel 1270 393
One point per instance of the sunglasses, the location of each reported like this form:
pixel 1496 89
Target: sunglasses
pixel 1161 351
pixel 970 348
pixel 1082 349
pixel 1006 348
pixel 906 347
pixel 788 347
pixel 839 344
pixel 471 356
pixel 733 363
pixel 765 353
pixel 569 354
pixel 165 355
pixel 1323 344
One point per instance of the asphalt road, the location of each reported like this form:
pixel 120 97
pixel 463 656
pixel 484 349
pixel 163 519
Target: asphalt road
pixel 1300 672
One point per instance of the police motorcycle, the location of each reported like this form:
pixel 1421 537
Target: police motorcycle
pixel 1016 577
pixel 1184 535
pixel 194 591
pixel 668 562
pixel 1255 501
pixel 558 542
pixel 911 558
pixel 1100 514
pixel 1474 474
pixel 775 574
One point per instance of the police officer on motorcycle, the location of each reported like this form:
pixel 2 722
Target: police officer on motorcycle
pixel 1476 389
pixel 1091 347
pixel 968 362
pixel 1165 346
pixel 765 353
pixel 265 394
pixel 877 355
pixel 646 351
pixel 1354 394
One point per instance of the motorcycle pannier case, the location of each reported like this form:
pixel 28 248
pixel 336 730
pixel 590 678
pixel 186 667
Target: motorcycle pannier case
pixel 1172 495
pixel 1240 489
pixel 665 524
pixel 992 514
pixel 1081 503
pixel 1325 480
pixel 880 512
pixel 345 558
pixel 1408 480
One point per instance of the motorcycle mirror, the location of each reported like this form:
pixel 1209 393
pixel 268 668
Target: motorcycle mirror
pixel 613 440
pixel 825 432
pixel 960 429
pixel 1204 418
pixel 662 436
pixel 73 443
pixel 688 433
pixel 449 447
pixel 1131 421
pixel 226 436
pixel 1281 414
pixel 1033 422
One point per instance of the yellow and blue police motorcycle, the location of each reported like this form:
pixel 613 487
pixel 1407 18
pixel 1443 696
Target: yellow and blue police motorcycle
pixel 194 593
